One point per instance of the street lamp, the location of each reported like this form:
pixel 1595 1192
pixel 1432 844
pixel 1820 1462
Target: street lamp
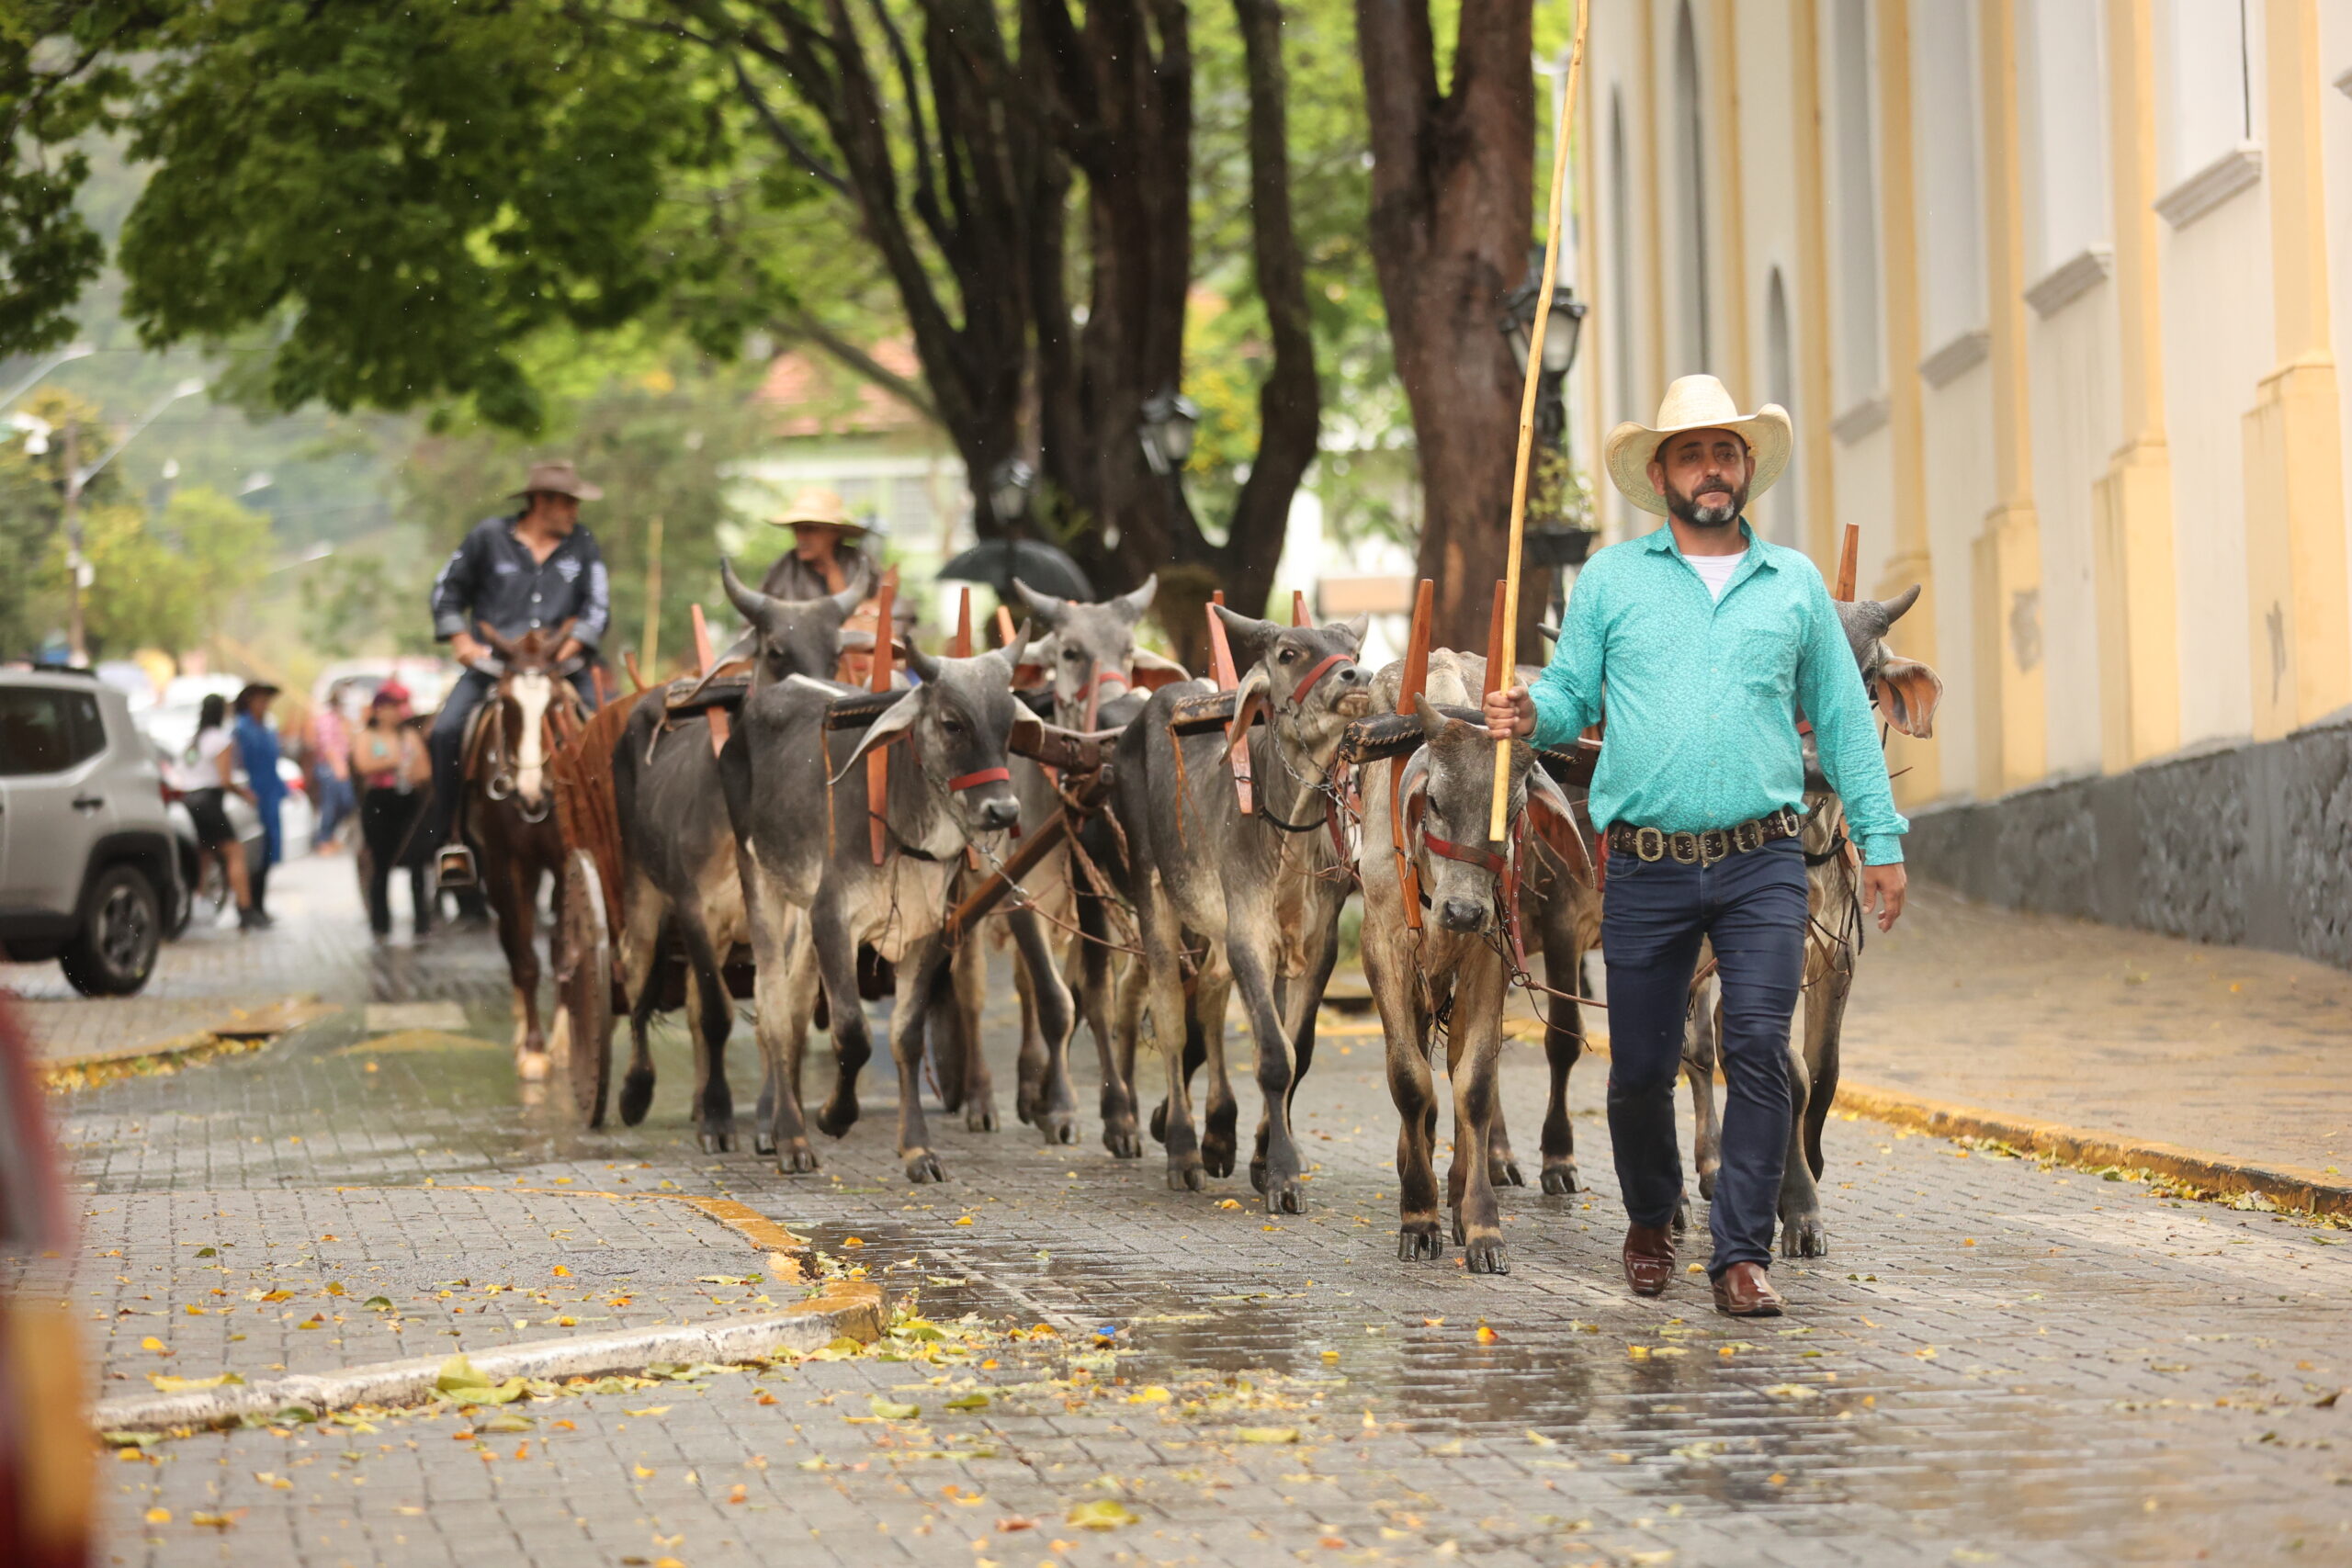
pixel 1009 486
pixel 1558 353
pixel 80 575
pixel 1169 421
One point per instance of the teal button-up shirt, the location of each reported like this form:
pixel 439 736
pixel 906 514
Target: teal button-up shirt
pixel 1704 694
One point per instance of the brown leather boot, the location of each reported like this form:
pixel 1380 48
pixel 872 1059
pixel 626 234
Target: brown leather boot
pixel 1649 1259
pixel 1744 1290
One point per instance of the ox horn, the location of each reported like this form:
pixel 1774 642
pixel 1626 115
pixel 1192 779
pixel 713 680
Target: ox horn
pixel 1044 606
pixel 754 606
pixel 1893 609
pixel 1132 605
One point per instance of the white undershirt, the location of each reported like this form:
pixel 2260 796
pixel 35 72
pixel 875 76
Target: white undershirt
pixel 1716 571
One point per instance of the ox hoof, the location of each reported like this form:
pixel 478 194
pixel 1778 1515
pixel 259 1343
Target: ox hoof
pixel 979 1114
pixel 1218 1158
pixel 1122 1140
pixel 796 1159
pixel 1461 1235
pixel 1159 1123
pixel 1059 1127
pixel 1419 1242
pixel 1504 1172
pixel 1485 1255
pixel 1186 1175
pixel 531 1066
pixel 1283 1196
pixel 1681 1221
pixel 1805 1238
pixel 718 1140
pixel 923 1166
pixel 636 1094
pixel 835 1121
pixel 1707 1182
pixel 763 1142
pixel 1559 1181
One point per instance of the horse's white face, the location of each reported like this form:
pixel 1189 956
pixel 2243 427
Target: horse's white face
pixel 532 691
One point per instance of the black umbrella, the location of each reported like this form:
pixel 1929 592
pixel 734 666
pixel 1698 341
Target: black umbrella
pixel 998 561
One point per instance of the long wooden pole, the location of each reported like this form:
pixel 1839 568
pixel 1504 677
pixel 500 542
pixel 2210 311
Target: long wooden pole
pixel 1498 820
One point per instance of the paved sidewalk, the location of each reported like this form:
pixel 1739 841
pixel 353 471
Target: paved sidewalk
pixel 2149 1037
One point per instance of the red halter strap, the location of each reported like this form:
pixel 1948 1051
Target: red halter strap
pixel 985 776
pixel 1299 696
pixel 1468 854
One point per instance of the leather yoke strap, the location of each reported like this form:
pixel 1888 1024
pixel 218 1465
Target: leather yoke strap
pixel 1299 697
pixel 1468 854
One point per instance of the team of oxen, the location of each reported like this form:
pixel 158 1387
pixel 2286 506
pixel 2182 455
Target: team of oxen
pixel 1170 843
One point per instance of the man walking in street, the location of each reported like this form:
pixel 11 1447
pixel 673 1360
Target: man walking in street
pixel 1711 644
pixel 533 569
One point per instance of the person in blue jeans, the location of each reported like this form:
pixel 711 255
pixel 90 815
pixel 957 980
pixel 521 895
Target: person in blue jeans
pixel 1708 643
pixel 532 569
pixel 257 754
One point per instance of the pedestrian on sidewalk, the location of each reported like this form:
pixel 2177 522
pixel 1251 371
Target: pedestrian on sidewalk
pixel 387 757
pixel 206 774
pixel 535 568
pixel 257 755
pixel 331 784
pixel 1711 644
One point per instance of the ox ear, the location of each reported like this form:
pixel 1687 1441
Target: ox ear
pixel 1909 692
pixel 1249 702
pixel 896 720
pixel 1036 665
pixel 1044 606
pixel 1555 822
pixel 1153 670
pixel 1131 606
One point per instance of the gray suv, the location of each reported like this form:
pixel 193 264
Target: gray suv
pixel 88 872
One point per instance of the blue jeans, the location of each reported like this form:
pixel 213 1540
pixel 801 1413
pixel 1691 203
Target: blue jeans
pixel 447 741
pixel 1654 915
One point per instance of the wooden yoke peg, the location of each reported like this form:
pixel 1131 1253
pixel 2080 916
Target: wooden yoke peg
pixel 1408 701
pixel 877 760
pixel 704 657
pixel 1226 677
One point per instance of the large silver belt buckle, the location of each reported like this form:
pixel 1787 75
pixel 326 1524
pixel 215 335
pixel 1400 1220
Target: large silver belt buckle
pixel 1747 836
pixel 1684 848
pixel 1649 844
pixel 1714 844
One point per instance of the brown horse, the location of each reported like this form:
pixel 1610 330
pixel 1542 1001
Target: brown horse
pixel 508 806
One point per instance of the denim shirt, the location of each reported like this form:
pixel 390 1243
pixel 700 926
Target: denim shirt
pixel 492 576
pixel 1703 694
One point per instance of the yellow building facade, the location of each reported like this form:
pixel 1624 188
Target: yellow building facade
pixel 2057 292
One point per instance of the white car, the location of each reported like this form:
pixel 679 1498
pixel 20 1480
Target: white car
pixel 89 875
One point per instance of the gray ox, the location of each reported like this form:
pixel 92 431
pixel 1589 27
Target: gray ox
pixel 803 868
pixel 1089 660
pixel 1261 892
pixel 1907 693
pixel 1453 968
pixel 681 854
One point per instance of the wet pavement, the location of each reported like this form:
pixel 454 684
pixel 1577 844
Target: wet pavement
pixel 1999 1362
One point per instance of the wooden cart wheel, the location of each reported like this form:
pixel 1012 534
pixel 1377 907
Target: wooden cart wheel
pixel 585 986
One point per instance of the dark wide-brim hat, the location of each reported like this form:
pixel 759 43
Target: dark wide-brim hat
pixel 253 689
pixel 559 478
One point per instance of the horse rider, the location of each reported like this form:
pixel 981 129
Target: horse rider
pixel 530 569
pixel 1709 641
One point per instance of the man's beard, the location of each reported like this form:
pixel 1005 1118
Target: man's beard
pixel 1688 510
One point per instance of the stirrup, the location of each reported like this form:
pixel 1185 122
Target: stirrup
pixel 454 867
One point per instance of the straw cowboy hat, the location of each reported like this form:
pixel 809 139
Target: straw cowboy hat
pixel 818 504
pixel 559 478
pixel 1696 403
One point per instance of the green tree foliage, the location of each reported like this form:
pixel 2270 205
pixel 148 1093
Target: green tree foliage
pixel 404 195
pixel 167 582
pixel 61 75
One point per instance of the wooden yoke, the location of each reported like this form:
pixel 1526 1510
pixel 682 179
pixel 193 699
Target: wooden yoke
pixel 877 761
pixel 1850 562
pixel 1004 627
pixel 705 659
pixel 1408 702
pixel 960 647
pixel 1228 678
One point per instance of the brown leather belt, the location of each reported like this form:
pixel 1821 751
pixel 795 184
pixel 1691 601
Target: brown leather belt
pixel 1705 849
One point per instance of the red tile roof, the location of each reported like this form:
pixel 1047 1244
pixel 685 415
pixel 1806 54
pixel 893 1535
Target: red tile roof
pixel 814 394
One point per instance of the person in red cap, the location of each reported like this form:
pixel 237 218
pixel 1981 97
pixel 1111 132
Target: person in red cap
pixel 388 762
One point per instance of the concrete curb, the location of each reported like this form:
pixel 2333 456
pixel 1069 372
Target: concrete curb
pixel 848 1309
pixel 2289 1186
pixel 229 1030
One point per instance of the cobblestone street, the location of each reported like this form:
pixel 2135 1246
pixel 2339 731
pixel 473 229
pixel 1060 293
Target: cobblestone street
pixel 1998 1362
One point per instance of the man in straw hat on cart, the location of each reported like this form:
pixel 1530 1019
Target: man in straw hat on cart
pixel 1711 644
pixel 827 551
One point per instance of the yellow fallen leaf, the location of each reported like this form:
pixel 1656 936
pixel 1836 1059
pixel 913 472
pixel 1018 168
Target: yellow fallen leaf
pixel 1486 1336
pixel 1266 1434
pixel 562 1273
pixel 643 1473
pixel 1102 1514
pixel 280 1482
pixel 1540 1440
pixel 892 1410
pixel 217 1521
pixel 1155 1394
pixel 159 1516
pixel 964 1220
pixel 1791 1390
pixel 1229 1202
pixel 152 1343
pixel 649 1410
pixel 167 1384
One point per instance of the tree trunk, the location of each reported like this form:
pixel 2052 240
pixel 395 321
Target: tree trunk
pixel 1452 206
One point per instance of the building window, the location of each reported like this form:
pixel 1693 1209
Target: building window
pixel 1854 192
pixel 2064 157
pixel 1691 325
pixel 1785 511
pixel 1951 249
